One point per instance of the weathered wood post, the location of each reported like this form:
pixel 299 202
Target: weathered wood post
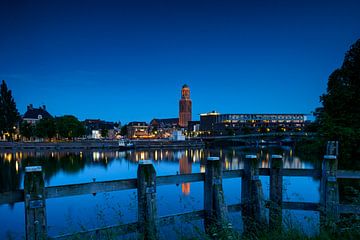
pixel 147 208
pixel 35 208
pixel 332 148
pixel 216 215
pixel 329 193
pixel 276 183
pixel 252 198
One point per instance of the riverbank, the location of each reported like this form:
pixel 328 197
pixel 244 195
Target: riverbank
pixel 167 144
pixel 100 144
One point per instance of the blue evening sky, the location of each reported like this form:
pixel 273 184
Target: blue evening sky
pixel 127 60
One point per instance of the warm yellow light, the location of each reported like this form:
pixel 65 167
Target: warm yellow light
pixel 8 156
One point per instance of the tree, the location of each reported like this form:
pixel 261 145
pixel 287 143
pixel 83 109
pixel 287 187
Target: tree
pixel 45 128
pixel 339 119
pixel 69 127
pixel 104 132
pixel 9 115
pixel 27 130
pixel 123 130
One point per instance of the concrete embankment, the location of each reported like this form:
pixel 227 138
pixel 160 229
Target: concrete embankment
pixel 139 144
pixel 97 144
pixel 59 145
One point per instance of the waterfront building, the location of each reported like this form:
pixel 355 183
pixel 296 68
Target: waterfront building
pixel 163 128
pixel 137 130
pixel 33 115
pixel 93 128
pixel 178 136
pixel 185 107
pixel 164 123
pixel 193 128
pixel 229 124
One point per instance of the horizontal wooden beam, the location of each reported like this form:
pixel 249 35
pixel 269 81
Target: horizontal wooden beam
pixel 234 208
pixel 125 184
pixel 132 227
pixel 185 217
pixel 306 206
pixel 348 208
pixel 90 188
pixel 348 174
pixel 117 230
pixel 233 173
pixel 264 171
pixel 289 172
pixel 100 233
pixel 12 197
pixel 180 178
pixel 300 172
pixel 197 215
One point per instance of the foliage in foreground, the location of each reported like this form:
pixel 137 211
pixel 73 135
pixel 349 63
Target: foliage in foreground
pixel 339 118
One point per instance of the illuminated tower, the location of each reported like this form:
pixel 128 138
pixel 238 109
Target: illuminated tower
pixel 185 106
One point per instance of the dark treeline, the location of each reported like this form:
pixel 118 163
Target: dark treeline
pixel 68 127
pixel 339 117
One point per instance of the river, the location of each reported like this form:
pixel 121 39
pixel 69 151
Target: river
pixel 72 214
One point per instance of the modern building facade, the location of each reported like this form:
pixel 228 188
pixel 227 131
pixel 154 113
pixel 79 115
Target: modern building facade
pixel 227 124
pixel 185 107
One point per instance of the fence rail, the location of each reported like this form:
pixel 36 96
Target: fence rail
pixel 215 211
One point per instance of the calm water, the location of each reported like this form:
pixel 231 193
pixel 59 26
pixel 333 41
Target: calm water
pixel 71 214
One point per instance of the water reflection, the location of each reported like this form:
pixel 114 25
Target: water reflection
pixel 72 162
pixel 185 164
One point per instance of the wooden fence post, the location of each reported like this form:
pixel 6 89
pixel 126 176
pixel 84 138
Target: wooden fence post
pixel 329 193
pixel 147 208
pixel 252 198
pixel 332 148
pixel 216 215
pixel 35 208
pixel 276 184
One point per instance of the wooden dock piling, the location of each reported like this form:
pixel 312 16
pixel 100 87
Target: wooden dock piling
pixel 252 199
pixel 215 209
pixel 329 193
pixel 35 208
pixel 276 183
pixel 147 207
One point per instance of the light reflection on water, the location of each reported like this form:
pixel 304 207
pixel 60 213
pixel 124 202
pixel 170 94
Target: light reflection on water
pixel 69 167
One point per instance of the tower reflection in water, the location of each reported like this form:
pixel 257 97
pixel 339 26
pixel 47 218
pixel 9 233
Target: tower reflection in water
pixel 185 164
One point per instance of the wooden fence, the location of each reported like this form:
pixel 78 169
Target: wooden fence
pixel 215 213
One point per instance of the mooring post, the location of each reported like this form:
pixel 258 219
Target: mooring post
pixel 276 184
pixel 147 208
pixel 329 193
pixel 252 198
pixel 216 215
pixel 35 208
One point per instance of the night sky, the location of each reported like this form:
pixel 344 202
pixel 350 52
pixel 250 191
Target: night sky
pixel 127 60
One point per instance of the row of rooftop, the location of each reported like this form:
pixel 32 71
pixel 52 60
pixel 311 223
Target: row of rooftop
pixel 212 123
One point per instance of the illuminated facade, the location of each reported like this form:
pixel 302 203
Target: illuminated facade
pixel 185 107
pixel 137 130
pixel 225 124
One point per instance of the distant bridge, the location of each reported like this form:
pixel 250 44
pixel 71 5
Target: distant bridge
pixel 256 138
pixel 261 135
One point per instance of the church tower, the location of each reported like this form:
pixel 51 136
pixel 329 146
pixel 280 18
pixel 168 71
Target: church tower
pixel 185 106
